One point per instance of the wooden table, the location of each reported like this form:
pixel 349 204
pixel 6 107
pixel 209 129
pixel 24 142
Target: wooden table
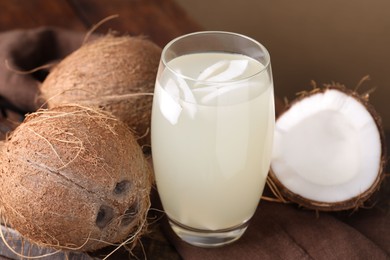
pixel 159 20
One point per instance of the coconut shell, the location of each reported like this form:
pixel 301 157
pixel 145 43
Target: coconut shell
pixel 355 202
pixel 106 73
pixel 74 178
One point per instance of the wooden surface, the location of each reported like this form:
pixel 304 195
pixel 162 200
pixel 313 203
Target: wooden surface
pixel 159 20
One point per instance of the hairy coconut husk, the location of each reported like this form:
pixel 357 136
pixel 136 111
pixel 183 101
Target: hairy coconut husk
pixel 114 73
pixel 74 178
pixel 286 195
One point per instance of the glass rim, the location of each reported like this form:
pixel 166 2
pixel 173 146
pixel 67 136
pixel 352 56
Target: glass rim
pixel 207 82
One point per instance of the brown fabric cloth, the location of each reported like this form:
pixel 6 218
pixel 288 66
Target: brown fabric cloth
pixel 285 231
pixel 24 50
pixel 277 231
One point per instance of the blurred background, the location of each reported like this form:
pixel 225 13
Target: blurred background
pixel 324 41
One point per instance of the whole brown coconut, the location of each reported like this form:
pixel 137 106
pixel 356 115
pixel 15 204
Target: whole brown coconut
pixel 74 178
pixel 113 73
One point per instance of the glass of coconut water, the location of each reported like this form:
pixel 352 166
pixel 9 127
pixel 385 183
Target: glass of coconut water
pixel 212 129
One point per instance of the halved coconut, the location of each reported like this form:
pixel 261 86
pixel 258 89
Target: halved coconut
pixel 329 150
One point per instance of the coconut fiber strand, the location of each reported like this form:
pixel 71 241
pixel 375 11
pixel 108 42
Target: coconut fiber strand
pixel 277 231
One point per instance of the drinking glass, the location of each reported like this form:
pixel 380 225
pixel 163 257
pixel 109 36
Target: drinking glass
pixel 212 129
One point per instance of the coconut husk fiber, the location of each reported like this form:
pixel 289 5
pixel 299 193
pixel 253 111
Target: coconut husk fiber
pixel 277 231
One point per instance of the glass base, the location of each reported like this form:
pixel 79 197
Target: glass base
pixel 208 238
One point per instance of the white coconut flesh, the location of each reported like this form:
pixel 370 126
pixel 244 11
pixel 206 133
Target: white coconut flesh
pixel 327 148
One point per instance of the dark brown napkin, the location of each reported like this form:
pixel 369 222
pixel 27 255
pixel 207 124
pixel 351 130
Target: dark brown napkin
pixel 284 231
pixel 24 50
